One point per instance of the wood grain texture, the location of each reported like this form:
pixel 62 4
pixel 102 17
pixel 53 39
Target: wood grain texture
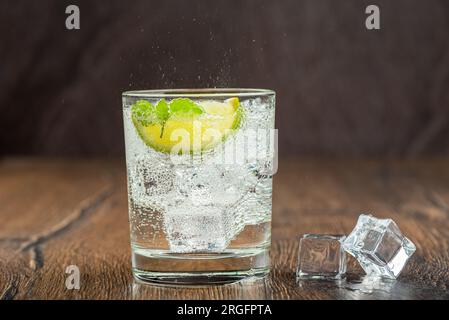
pixel 57 213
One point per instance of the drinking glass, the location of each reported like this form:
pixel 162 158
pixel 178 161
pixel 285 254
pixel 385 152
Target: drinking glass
pixel 200 165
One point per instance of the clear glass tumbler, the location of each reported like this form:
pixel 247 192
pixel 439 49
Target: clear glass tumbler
pixel 200 166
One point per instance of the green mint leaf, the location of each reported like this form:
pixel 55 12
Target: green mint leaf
pixel 162 111
pixel 197 109
pixel 144 112
pixel 185 106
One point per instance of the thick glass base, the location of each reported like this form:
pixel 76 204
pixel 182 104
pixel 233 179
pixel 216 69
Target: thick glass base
pixel 162 268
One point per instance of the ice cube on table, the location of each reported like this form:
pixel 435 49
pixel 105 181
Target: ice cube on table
pixel 321 257
pixel 379 246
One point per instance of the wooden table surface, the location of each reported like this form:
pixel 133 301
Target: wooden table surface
pixel 56 213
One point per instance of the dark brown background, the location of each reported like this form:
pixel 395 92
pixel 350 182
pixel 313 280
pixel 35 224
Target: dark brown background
pixel 342 90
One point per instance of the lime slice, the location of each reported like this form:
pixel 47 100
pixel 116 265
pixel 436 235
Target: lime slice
pixel 183 126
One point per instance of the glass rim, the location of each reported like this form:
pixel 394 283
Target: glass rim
pixel 198 93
